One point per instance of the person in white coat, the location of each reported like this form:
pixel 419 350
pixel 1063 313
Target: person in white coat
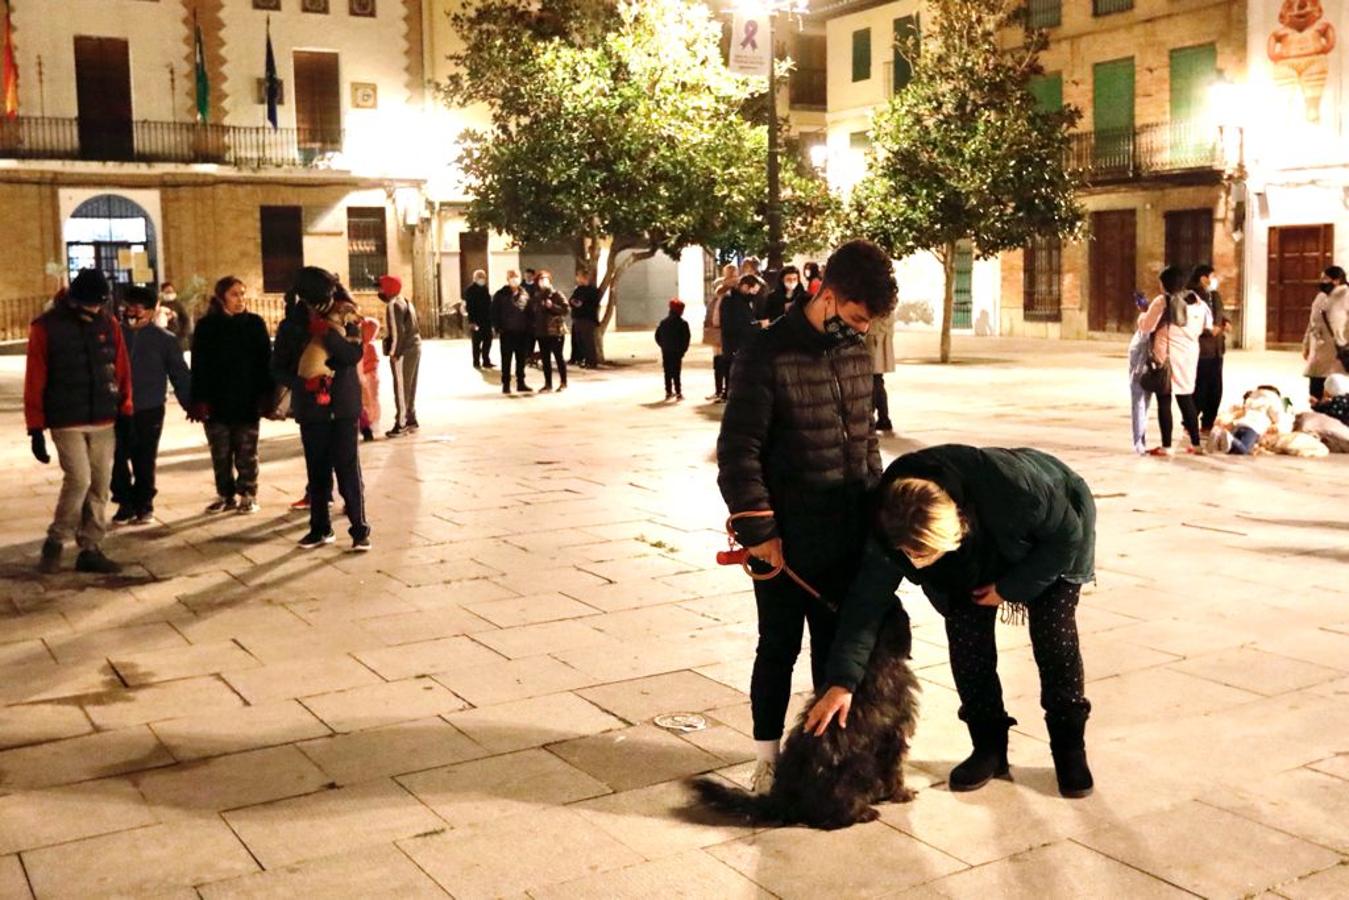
pixel 1327 330
pixel 881 342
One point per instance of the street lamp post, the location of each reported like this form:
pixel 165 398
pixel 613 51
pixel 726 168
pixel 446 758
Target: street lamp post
pixel 770 10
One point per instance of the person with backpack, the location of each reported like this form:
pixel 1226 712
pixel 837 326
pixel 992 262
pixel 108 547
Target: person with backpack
pixel 1176 318
pixel 672 335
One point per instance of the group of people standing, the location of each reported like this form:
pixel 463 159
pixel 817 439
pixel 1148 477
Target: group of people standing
pixel 98 378
pixel 528 314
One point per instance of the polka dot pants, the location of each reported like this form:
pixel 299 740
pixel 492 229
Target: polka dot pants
pixel 1053 637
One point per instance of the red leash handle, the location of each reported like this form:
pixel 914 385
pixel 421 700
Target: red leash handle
pixel 739 556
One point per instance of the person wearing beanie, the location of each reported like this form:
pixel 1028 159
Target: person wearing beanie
pixel 231 389
pixel 77 381
pixel 478 306
pixel 672 335
pixel 318 349
pixel 156 361
pixel 403 346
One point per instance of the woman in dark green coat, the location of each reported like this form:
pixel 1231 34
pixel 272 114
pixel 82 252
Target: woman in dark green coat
pixel 976 530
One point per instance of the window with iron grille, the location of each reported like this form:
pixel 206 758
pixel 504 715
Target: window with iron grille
pixel 1107 7
pixel 1047 13
pixel 367 249
pixel 1042 276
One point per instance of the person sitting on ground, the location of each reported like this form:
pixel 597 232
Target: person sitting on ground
pixel 672 335
pixel 979 529
pixel 156 360
pixel 1328 419
pixel 1334 399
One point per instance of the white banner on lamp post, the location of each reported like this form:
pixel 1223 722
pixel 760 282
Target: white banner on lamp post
pixel 750 44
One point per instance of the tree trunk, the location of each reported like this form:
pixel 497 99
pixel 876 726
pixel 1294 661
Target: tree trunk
pixel 608 287
pixel 948 303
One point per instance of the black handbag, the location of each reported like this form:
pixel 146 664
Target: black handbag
pixel 1156 378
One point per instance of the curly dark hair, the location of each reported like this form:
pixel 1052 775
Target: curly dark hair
pixel 861 272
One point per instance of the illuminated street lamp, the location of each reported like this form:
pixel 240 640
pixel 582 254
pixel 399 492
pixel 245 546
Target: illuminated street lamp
pixel 769 10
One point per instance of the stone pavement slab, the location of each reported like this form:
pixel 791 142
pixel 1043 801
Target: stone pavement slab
pixel 467 709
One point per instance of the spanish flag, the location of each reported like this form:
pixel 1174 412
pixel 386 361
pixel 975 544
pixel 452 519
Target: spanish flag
pixel 11 70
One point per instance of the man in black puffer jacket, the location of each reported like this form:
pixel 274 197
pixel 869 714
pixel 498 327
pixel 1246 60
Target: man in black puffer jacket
pixel 327 407
pixel 797 451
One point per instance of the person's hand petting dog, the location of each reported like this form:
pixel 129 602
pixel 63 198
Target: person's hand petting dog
pixel 837 701
pixel 987 595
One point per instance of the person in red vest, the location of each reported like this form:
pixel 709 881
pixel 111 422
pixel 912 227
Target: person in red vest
pixel 76 383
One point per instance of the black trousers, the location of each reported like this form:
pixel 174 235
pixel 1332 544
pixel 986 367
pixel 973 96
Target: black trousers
pixel 515 347
pixel 674 367
pixel 880 399
pixel 1189 417
pixel 1053 638
pixel 721 366
pixel 550 348
pixel 482 346
pixel 785 611
pixel 133 461
pixel 332 448
pixel 1208 390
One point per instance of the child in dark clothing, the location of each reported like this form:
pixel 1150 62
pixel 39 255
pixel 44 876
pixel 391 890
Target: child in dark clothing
pixel 672 334
pixel 156 360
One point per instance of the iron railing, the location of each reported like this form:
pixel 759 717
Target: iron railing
pixel 28 137
pixel 1127 154
pixel 1107 7
pixel 17 313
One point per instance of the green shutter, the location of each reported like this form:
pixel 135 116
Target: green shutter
pixel 906 28
pixel 1048 91
pixel 1193 72
pixel 859 140
pixel 962 311
pixel 861 54
pixel 1112 113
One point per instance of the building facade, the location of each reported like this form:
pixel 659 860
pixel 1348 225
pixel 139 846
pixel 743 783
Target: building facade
pixel 119 160
pixel 1291 116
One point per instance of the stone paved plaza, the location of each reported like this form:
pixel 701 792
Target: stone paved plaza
pixel 468 709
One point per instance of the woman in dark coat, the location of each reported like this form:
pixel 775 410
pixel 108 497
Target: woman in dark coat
pixel 232 387
pixel 978 529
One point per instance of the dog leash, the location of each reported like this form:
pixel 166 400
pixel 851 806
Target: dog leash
pixel 736 555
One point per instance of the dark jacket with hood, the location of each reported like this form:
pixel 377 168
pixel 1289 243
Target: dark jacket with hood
pixel 1031 521
pixel 344 354
pixel 230 374
pixel 513 311
pixel 478 305
pixel 796 439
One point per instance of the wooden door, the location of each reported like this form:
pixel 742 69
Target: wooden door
pixel 103 95
pixel 318 101
pixel 1113 273
pixel 1189 238
pixel 282 231
pixel 1297 257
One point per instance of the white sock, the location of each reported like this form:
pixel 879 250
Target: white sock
pixel 766 751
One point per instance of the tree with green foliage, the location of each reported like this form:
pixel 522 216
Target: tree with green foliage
pixel 964 152
pixel 615 126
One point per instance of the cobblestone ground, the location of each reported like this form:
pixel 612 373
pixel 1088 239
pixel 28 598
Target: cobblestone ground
pixel 468 709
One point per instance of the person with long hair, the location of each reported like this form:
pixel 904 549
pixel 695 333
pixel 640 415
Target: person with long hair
pixel 231 389
pixel 1176 318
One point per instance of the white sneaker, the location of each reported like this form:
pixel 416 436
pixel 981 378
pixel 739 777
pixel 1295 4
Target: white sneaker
pixel 761 782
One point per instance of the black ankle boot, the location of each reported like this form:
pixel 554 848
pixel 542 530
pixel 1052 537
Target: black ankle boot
pixel 989 759
pixel 1069 749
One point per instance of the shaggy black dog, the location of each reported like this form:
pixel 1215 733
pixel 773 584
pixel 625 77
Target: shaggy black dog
pixel 831 781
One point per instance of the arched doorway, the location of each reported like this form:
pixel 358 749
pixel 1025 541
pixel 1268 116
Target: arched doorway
pixel 116 235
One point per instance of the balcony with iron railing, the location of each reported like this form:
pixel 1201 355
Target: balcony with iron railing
pixel 1168 149
pixel 32 138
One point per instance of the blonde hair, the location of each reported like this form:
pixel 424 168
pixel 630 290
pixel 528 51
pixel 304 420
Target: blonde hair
pixel 921 519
